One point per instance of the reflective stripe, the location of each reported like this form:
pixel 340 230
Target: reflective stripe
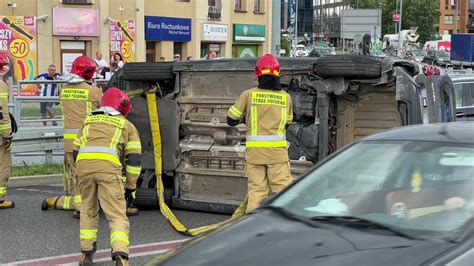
pixel 77 199
pixel 266 144
pixel 67 203
pixel 3 190
pixel 133 145
pixel 69 136
pixel 88 234
pixel 88 107
pixel 99 156
pixel 3 95
pixel 5 126
pixel 134 170
pixel 98 149
pixel 71 130
pixel 118 236
pixel 77 142
pixel 268 71
pixel 236 112
pixel 85 133
pixel 70 133
pixel 266 138
pixel 254 127
pixel 116 137
pixel 283 119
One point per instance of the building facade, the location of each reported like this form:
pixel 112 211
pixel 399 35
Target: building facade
pixel 327 19
pixel 141 30
pixel 456 16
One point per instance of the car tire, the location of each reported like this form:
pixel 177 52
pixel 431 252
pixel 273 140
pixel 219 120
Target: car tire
pixel 148 71
pixel 146 198
pixel 350 66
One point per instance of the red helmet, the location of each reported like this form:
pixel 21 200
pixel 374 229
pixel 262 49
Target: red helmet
pixel 267 65
pixel 117 99
pixel 3 60
pixel 84 67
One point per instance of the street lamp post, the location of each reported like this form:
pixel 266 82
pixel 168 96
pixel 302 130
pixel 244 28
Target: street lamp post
pixel 400 28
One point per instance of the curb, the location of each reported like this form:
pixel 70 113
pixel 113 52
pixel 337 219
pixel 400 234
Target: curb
pixel 35 180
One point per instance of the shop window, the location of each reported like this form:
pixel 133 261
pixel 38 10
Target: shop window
pixel 150 51
pixel 214 9
pixel 258 6
pixel 208 48
pixel 178 49
pixel 241 5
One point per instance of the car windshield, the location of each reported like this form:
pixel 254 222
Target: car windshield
pixel 423 187
pixel 442 54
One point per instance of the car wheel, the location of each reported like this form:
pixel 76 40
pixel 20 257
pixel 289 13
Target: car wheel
pixel 350 66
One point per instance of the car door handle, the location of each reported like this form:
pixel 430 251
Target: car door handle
pixel 460 114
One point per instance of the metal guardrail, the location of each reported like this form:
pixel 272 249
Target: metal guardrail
pixel 47 140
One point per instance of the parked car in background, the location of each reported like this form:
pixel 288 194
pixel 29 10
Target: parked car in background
pixel 321 51
pixel 464 92
pixel 401 197
pixel 301 51
pixel 419 54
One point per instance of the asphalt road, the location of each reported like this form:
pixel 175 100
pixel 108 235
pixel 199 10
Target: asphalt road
pixel 35 237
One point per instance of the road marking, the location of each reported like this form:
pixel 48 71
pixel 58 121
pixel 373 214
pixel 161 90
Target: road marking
pixel 102 255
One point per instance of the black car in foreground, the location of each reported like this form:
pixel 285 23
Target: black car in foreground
pixel 401 197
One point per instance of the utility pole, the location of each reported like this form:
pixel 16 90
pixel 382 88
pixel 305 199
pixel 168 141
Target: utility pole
pixel 296 26
pixel 400 28
pixel 276 33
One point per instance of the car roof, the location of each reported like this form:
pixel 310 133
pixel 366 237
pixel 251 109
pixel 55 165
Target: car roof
pixel 455 132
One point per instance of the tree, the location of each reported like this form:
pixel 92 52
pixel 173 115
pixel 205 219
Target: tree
pixel 423 14
pixel 285 45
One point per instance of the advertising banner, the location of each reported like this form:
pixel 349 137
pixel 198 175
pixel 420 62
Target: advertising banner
pixel 214 32
pixel 18 40
pixel 167 29
pixel 122 39
pixel 75 21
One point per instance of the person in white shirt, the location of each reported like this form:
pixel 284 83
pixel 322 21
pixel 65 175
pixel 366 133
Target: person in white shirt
pixel 102 65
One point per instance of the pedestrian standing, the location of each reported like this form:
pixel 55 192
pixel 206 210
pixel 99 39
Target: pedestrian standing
pixel 7 127
pixel 78 99
pixel 102 66
pixel 268 110
pixel 106 140
pixel 46 108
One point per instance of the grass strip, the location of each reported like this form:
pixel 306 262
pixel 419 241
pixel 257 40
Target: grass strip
pixel 37 169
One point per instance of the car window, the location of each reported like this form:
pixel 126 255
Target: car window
pixel 464 94
pixel 404 184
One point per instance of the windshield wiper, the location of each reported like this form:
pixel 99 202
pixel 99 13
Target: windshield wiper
pixel 356 222
pixel 287 214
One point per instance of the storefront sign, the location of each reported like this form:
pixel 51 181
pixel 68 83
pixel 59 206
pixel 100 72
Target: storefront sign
pixel 122 39
pixel 247 51
pixel 249 33
pixel 75 21
pixel 214 32
pixel 18 40
pixel 167 29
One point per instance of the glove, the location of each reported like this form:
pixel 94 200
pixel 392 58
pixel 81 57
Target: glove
pixel 7 141
pixel 13 122
pixel 130 196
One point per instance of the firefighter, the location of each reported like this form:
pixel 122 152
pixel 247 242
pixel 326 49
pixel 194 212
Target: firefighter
pixel 7 127
pixel 106 140
pixel 78 98
pixel 267 111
